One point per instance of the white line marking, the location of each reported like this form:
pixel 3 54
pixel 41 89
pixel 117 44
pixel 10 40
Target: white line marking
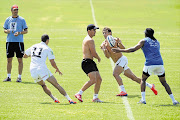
pixel 125 101
pixel 93 14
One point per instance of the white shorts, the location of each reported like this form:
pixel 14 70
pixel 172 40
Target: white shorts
pixel 154 69
pixel 123 61
pixel 39 74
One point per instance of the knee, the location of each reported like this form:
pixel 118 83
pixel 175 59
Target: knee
pixel 99 80
pixel 43 86
pixel 9 61
pixel 20 61
pixel 115 74
pixel 163 83
pixel 92 81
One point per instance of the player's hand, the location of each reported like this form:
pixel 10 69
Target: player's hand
pixel 60 73
pixel 8 31
pixel 116 50
pixel 16 33
pixel 99 60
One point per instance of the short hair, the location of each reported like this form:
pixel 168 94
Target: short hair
pixel 107 29
pixel 44 37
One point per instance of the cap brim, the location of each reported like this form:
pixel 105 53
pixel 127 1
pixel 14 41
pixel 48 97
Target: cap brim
pixel 96 27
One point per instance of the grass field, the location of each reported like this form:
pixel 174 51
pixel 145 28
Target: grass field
pixel 65 21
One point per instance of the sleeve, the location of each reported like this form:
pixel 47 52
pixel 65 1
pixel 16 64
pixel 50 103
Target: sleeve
pixel 24 24
pixel 6 24
pixel 50 54
pixel 28 52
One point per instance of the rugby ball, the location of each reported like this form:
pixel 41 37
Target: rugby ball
pixel 111 40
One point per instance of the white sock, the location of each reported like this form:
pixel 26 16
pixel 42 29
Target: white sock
pixel 172 97
pixel 143 96
pixel 53 97
pixel 9 75
pixel 80 92
pixel 67 97
pixel 19 76
pixel 148 85
pixel 122 88
pixel 95 96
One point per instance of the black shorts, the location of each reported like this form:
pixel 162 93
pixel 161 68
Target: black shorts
pixel 14 47
pixel 88 66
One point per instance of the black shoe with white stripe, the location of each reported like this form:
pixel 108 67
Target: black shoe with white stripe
pixel 7 79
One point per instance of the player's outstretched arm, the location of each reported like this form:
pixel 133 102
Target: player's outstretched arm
pixel 53 63
pixel 132 49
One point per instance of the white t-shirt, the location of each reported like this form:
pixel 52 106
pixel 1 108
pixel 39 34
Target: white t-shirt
pixel 39 53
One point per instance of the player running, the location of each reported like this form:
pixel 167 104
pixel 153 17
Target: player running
pixel 40 72
pixel 154 62
pixel 120 63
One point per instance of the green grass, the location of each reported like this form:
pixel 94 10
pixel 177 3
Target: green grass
pixel 65 21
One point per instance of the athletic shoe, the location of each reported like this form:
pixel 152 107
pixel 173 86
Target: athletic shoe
pixel 56 101
pixel 175 103
pixel 7 79
pixel 97 100
pixel 78 96
pixel 154 90
pixel 72 102
pixel 18 80
pixel 122 94
pixel 142 102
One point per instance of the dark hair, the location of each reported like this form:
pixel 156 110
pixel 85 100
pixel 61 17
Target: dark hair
pixel 44 37
pixel 149 32
pixel 107 29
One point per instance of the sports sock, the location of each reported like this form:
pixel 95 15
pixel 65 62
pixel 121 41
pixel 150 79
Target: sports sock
pixel 143 96
pixel 53 97
pixel 9 75
pixel 172 97
pixel 80 92
pixel 19 76
pixel 148 85
pixel 122 88
pixel 95 96
pixel 67 97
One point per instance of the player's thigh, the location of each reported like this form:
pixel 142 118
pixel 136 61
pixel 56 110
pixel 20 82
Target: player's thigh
pixel 41 83
pixel 118 70
pixel 128 73
pixel 52 80
pixel 20 50
pixel 94 76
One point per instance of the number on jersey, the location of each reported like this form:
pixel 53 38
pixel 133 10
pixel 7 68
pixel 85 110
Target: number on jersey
pixel 37 52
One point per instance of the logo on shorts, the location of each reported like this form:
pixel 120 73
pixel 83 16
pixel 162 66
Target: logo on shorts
pixel 44 76
pixel 52 52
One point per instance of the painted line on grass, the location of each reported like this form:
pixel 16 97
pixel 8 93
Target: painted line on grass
pixel 125 101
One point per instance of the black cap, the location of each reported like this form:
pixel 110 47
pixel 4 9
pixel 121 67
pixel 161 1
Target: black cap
pixel 149 32
pixel 91 26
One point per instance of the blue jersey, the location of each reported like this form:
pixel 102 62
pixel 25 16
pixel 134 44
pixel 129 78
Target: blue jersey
pixel 152 53
pixel 15 25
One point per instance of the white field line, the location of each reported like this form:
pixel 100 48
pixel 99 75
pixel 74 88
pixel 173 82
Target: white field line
pixel 125 101
pixel 93 14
